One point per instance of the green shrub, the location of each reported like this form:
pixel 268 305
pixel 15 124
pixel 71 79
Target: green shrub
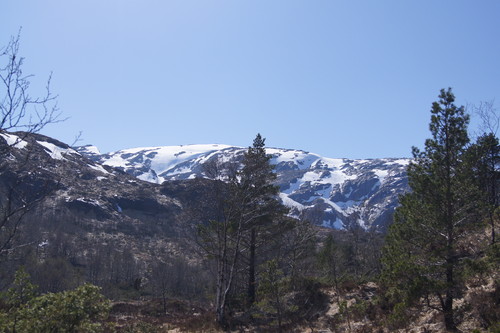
pixel 81 310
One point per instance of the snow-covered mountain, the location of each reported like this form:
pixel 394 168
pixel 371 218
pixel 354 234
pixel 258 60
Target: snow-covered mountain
pixel 337 193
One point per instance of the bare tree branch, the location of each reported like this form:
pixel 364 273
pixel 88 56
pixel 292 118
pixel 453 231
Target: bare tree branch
pixel 19 110
pixel 488 114
pixel 77 139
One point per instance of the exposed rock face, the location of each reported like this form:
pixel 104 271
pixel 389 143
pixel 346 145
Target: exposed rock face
pixel 90 203
pixel 336 193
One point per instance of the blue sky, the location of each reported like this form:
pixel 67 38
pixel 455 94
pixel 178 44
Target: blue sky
pixel 349 79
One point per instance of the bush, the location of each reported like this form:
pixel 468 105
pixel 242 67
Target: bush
pixel 81 310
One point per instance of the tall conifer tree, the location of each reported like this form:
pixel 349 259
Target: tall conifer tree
pixel 251 215
pixel 260 205
pixel 425 244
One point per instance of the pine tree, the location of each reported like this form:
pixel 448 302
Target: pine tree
pixel 425 245
pixel 250 217
pixel 260 205
pixel 272 291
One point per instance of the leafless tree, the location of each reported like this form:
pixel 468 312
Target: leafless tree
pixel 221 237
pixel 19 111
pixel 489 117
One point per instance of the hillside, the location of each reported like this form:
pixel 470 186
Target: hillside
pixel 90 217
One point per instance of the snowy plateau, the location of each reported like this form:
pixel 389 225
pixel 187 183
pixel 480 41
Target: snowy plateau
pixel 334 193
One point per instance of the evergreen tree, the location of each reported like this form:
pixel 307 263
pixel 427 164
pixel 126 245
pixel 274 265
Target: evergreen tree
pixel 250 217
pixel 259 198
pixel 272 291
pixel 425 245
pixel 484 159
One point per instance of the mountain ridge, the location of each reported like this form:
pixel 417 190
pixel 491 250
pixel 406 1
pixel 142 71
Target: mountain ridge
pixel 333 192
pixel 336 193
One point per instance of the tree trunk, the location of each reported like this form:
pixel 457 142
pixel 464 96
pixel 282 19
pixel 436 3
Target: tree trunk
pixel 251 270
pixel 220 315
pixel 448 314
pixel 226 271
pixel 219 300
pixel 492 223
pixel 450 286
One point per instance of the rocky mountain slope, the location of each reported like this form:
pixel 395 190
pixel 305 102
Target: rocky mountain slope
pixel 336 193
pixel 104 192
pixel 64 197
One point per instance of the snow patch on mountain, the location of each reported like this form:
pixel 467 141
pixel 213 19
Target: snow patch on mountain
pixel 92 150
pixel 337 224
pixel 13 140
pixel 331 192
pixel 300 159
pixel 99 168
pixel 291 203
pixel 56 152
pixel 156 164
